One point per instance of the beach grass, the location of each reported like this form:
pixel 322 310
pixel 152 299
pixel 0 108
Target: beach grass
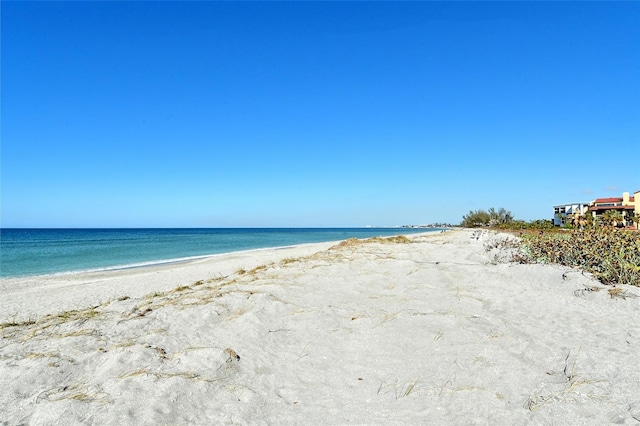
pixel 289 260
pixel 352 242
pixel 572 381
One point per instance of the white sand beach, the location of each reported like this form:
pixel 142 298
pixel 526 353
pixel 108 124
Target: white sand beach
pixel 441 331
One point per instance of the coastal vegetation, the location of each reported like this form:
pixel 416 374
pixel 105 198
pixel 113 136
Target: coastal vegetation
pixel 486 218
pixel 610 254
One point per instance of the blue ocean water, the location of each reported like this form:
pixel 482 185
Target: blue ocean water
pixel 25 252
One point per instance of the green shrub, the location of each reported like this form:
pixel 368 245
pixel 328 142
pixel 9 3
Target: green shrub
pixel 611 255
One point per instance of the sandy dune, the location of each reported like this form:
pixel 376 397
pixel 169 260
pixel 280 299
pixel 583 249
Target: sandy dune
pixel 441 330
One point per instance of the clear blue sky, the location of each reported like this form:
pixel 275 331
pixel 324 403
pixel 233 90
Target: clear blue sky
pixel 217 114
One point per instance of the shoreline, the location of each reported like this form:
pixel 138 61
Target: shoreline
pixel 438 330
pixel 167 258
pixel 144 264
pixel 92 285
pixel 36 295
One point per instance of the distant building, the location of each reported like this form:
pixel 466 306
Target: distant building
pixel 562 211
pixel 626 205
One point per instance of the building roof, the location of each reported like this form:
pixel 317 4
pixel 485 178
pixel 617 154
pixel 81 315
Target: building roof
pixel 612 200
pixel 608 200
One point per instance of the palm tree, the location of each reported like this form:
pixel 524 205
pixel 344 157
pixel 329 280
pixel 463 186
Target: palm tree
pixel 617 218
pixel 607 217
pixel 612 217
pixel 591 220
pixel 584 221
pixel 578 220
pixel 636 219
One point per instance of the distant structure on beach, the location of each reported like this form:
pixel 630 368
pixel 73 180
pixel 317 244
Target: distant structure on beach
pixel 431 225
pixel 623 210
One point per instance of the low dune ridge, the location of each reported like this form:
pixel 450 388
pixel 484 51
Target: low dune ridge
pixel 436 328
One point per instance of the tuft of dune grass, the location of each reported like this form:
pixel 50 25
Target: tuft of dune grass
pixel 353 242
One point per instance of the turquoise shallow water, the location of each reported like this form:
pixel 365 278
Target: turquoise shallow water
pixel 25 252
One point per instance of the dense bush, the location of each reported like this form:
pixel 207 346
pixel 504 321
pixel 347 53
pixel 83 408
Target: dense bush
pixel 521 224
pixel 611 255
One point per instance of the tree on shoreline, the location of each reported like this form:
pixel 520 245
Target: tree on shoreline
pixel 486 218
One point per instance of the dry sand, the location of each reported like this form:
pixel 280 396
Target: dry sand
pixel 438 331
